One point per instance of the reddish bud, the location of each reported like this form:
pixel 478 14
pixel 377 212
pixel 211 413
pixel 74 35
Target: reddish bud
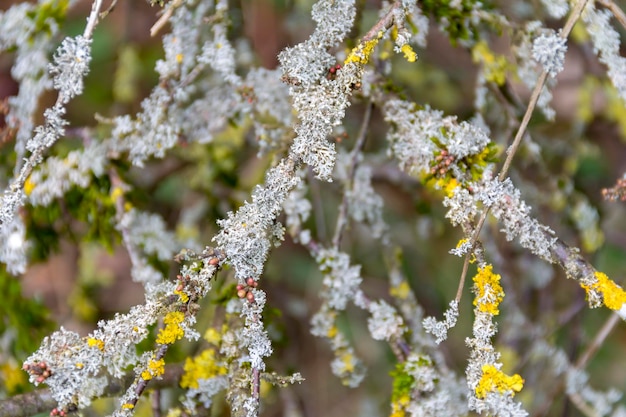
pixel 250 297
pixel 251 282
pixel 214 261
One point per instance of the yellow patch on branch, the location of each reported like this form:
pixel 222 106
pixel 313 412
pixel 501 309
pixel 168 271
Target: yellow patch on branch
pixel 203 366
pixel 172 330
pixel 613 295
pixel 361 53
pixel 409 53
pixel 494 380
pixel 489 292
pixel 93 342
pixel 155 368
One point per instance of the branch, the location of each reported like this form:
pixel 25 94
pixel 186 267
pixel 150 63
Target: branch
pixel 616 10
pixel 569 25
pixel 354 155
pixel 41 401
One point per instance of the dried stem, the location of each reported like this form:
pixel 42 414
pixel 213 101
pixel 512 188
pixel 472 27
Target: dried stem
pixel 165 17
pixel 94 18
pixel 597 341
pixel 573 18
pixel 616 10
pixel 342 218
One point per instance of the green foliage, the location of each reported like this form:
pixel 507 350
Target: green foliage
pixel 92 207
pixel 459 22
pixel 402 382
pixel 54 10
pixel 24 321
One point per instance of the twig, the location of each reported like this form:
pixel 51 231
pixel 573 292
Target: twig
pixel 165 17
pixel 156 403
pixel 573 18
pixel 597 341
pixel 616 10
pixel 41 401
pixel 256 385
pixel 142 384
pixel 459 291
pixel 316 199
pixel 93 19
pixel 582 361
pixel 534 97
pixel 383 24
pixel 354 162
pixel 582 406
pixel 35 158
pixel 109 10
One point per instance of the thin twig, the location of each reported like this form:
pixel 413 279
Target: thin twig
pixel 354 162
pixel 93 19
pixel 318 212
pixel 383 24
pixel 165 17
pixel 37 155
pixel 582 406
pixel 156 403
pixel 597 341
pixel 573 18
pixel 616 10
pixel 109 10
pixel 581 363
pixel 256 385
pixel 459 291
pixel 142 384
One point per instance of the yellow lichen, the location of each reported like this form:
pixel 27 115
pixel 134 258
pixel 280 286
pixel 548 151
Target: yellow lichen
pixel 361 53
pixel 182 296
pixel 613 295
pixel 489 293
pixel 409 53
pixel 93 342
pixel 116 193
pixel 29 186
pixel 12 377
pixel 347 359
pixel 332 332
pixel 203 366
pixel 155 368
pixel 401 291
pixel 213 336
pixel 494 380
pixel 398 407
pixel 495 66
pixel 172 330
